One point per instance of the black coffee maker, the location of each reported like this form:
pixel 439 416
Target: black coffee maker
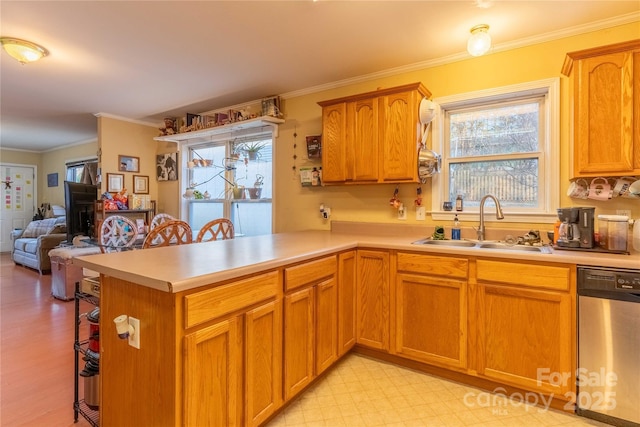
pixel 576 230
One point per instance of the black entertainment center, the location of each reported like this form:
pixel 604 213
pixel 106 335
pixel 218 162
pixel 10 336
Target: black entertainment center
pixel 79 205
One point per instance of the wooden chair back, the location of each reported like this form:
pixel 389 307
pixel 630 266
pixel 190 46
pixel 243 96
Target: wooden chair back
pixel 159 219
pixel 173 232
pixel 116 233
pixel 218 229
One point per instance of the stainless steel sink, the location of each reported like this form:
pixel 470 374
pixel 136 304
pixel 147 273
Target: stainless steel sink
pixel 483 245
pixel 458 243
pixel 505 247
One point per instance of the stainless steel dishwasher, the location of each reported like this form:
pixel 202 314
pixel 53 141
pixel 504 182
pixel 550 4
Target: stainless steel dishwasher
pixel 608 376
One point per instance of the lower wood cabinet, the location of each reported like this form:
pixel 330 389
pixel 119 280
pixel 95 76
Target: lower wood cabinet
pixel 372 299
pixel 310 322
pixel 346 301
pixel 430 309
pixel 233 366
pixel 525 323
pixel 213 375
pixel 263 362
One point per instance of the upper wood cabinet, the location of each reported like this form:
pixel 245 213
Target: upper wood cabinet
pixel 606 109
pixel 372 137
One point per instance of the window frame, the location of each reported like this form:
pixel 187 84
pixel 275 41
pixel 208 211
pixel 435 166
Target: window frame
pixel 549 166
pixel 226 139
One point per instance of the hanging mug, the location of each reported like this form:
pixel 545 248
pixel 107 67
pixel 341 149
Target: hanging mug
pixel 621 187
pixel 578 189
pixel 600 189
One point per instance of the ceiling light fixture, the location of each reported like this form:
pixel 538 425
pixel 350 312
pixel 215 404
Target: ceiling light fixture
pixel 22 50
pixel 480 41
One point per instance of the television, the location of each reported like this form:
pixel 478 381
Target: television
pixel 79 202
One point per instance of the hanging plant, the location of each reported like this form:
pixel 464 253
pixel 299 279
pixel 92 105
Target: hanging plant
pixel 252 149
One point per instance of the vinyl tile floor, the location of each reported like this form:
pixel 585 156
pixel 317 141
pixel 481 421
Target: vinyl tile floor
pixel 360 391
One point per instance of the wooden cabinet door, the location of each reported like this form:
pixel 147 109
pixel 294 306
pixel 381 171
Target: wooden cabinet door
pixel 346 301
pixel 431 319
pixel 213 375
pixel 522 332
pixel 326 295
pixel 372 303
pixel 399 136
pixel 607 140
pixel 334 134
pixel 299 332
pixel 362 134
pixel 263 362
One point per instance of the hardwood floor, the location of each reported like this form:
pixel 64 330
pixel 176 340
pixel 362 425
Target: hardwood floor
pixel 36 350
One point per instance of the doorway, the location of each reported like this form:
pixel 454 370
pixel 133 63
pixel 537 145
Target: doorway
pixel 18 194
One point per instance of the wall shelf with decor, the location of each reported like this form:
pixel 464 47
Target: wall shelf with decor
pixel 238 128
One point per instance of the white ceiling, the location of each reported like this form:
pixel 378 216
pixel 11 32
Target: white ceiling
pixel 145 60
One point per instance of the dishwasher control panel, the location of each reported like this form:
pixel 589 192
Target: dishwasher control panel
pixel 612 280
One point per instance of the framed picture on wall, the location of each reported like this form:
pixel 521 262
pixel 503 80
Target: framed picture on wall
pixel 140 184
pixel 128 164
pixel 115 182
pixel 167 167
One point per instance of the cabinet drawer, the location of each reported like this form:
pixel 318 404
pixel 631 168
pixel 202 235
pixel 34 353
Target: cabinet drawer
pixel 309 272
pixel 216 302
pixel 436 265
pixel 534 275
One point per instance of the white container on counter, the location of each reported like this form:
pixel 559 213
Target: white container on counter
pixel 617 231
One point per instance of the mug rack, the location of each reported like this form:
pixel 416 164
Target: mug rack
pixel 604 188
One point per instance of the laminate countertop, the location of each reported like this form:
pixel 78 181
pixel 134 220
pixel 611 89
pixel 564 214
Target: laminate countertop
pixel 184 267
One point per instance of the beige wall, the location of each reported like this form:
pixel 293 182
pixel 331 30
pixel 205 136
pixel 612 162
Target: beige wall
pixel 124 138
pixel 50 162
pixel 297 207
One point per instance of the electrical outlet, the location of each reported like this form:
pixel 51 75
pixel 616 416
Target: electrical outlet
pixel 402 212
pixel 134 339
pixel 420 213
pixel 625 212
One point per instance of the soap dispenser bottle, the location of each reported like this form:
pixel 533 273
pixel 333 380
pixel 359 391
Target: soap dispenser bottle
pixel 455 231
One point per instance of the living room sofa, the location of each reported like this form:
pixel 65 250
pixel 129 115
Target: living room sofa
pixel 30 247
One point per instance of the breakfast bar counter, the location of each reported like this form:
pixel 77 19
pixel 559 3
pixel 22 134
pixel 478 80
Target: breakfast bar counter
pixel 179 268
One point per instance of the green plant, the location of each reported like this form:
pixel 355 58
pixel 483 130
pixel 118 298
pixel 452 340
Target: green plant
pixel 251 149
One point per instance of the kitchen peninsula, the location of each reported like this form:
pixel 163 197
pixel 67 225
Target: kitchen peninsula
pixel 232 330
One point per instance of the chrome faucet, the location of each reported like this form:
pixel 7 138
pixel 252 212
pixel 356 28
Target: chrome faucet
pixel 499 214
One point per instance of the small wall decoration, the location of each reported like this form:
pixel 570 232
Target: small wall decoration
pixel 52 179
pixel 167 167
pixel 140 184
pixel 128 164
pixel 314 146
pixel 115 182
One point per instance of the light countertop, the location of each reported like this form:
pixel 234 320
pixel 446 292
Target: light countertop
pixel 179 268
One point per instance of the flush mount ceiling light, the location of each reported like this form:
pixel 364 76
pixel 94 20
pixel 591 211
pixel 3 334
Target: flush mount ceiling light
pixel 480 41
pixel 22 50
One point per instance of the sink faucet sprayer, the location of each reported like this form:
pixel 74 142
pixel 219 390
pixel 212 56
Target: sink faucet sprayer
pixel 499 214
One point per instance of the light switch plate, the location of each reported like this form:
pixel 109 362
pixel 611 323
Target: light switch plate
pixel 420 213
pixel 134 339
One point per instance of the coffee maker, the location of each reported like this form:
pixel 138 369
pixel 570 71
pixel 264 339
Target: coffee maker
pixel 576 230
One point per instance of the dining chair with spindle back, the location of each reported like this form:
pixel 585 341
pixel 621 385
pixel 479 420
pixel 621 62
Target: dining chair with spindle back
pixel 173 232
pixel 217 229
pixel 116 233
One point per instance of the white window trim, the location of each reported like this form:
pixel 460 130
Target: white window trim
pixel 550 88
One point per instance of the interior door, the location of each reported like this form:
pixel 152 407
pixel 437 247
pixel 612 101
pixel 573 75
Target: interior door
pixel 18 193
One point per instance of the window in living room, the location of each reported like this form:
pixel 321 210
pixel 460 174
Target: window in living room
pixel 84 171
pixel 232 179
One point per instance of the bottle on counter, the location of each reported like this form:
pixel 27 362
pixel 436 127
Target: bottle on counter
pixel 455 231
pixel 459 203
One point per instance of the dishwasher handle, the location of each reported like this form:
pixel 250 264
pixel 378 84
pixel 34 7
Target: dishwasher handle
pixel 614 295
